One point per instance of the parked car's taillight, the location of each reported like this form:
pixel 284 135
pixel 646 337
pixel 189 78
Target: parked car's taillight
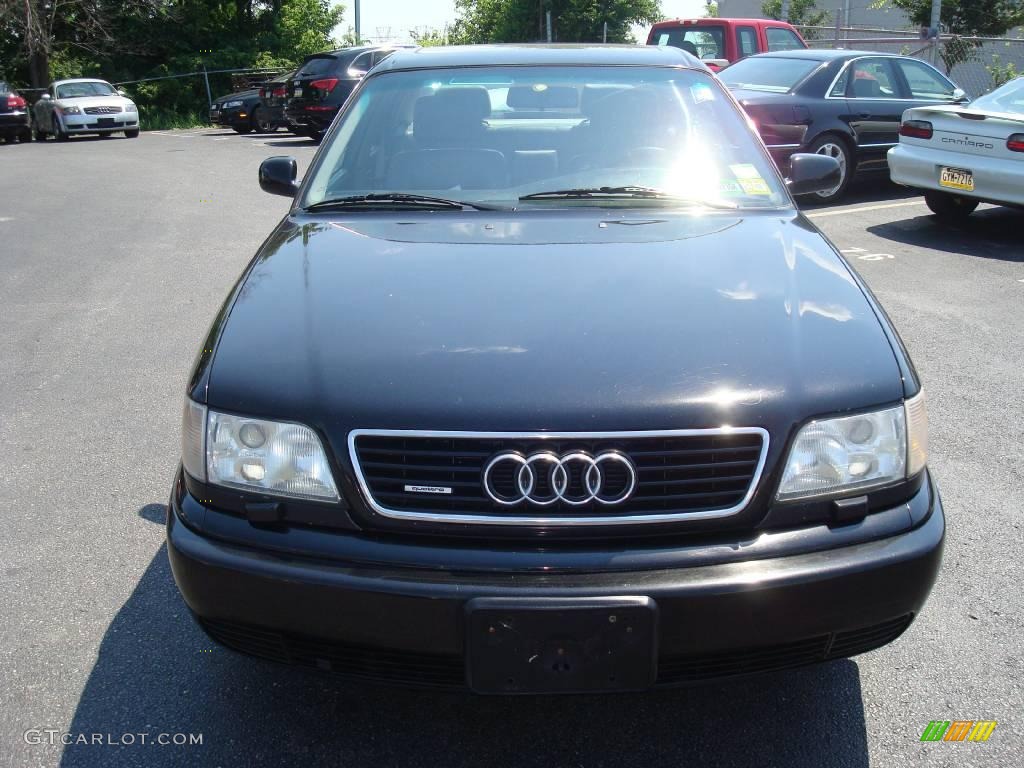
pixel 15 102
pixel 918 129
pixel 327 84
pixel 280 92
pixel 1015 143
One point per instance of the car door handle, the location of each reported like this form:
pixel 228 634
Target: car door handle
pixel 864 115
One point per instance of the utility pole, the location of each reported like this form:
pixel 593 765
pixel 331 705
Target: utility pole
pixel 548 16
pixel 359 37
pixel 839 25
pixel 785 10
pixel 934 29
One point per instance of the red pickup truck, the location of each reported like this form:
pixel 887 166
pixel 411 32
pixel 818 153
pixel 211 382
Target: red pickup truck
pixel 720 42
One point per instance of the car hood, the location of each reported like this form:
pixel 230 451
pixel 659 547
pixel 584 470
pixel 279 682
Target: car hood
pixel 111 100
pixel 531 321
pixel 237 96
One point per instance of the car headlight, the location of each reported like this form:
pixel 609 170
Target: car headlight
pixel 130 107
pixel 837 457
pixel 230 104
pixel 72 110
pixel 271 457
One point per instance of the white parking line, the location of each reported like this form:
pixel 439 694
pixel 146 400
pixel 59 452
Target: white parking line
pixel 863 209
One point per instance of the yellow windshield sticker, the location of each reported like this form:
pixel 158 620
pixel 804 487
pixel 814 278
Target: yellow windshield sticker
pixel 756 186
pixel 749 180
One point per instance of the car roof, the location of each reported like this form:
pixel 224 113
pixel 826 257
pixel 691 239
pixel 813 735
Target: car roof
pixel 81 80
pixel 541 54
pixel 354 50
pixel 731 20
pixel 822 54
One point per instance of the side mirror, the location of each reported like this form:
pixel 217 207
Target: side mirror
pixel 809 173
pixel 278 174
pixel 960 96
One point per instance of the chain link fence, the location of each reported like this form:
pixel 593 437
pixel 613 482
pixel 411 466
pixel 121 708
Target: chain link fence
pixel 976 64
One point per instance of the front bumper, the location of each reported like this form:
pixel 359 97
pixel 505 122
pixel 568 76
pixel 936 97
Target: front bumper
pixel 100 123
pixel 230 118
pixel 407 625
pixel 995 180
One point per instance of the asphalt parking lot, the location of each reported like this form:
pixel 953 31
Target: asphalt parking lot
pixel 115 254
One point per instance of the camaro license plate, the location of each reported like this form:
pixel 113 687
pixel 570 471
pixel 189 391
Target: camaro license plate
pixel 956 178
pixel 554 645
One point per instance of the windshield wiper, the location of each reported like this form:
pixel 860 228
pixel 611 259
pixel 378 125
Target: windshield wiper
pixel 397 200
pixel 644 193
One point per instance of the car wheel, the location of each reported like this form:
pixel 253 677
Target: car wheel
pixel 833 146
pixel 59 133
pixel 260 122
pixel 314 134
pixel 132 134
pixel 947 206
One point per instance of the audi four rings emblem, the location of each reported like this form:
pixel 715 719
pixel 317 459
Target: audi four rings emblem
pixel 544 477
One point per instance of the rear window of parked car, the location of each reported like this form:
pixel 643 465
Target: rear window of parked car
pixel 703 42
pixel 319 65
pixel 761 73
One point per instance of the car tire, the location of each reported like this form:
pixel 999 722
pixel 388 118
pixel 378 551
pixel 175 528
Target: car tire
pixel 259 122
pixel 315 135
pixel 132 134
pixel 948 206
pixel 58 132
pixel 833 145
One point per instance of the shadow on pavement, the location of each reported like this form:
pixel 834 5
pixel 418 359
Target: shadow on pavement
pixel 872 188
pixel 990 233
pixel 156 672
pixel 294 141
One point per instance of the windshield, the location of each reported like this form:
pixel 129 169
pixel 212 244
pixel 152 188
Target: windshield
pixel 1006 98
pixel 92 88
pixel 496 135
pixel 773 74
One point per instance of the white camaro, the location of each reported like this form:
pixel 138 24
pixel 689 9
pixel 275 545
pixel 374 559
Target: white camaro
pixel 83 105
pixel 960 156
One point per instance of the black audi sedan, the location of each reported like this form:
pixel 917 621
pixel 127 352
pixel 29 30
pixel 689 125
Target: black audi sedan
pixel 845 104
pixel 544 384
pixel 242 111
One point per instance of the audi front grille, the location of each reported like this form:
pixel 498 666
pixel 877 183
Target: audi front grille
pixel 102 110
pixel 553 479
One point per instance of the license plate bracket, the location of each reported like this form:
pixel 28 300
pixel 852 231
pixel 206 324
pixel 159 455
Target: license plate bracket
pixel 956 178
pixel 105 121
pixel 556 645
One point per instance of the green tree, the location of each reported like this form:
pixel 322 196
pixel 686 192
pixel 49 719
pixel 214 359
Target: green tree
pixel 710 9
pixel 304 26
pixel 516 21
pixel 801 12
pixel 430 38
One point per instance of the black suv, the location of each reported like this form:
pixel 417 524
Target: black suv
pixel 323 82
pixel 544 384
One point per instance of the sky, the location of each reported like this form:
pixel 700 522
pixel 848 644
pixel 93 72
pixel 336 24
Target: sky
pixel 391 20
